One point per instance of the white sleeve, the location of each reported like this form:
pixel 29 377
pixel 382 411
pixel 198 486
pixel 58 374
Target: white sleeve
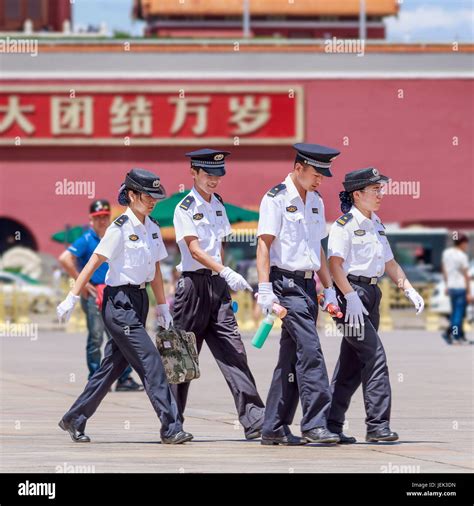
pixel 269 221
pixel 111 244
pixel 387 250
pixel 464 261
pixel 228 228
pixel 160 252
pixel 184 224
pixel 323 228
pixel 338 244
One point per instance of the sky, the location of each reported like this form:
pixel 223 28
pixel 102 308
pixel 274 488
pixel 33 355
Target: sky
pixel 418 20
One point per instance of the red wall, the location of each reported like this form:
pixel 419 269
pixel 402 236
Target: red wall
pixel 408 139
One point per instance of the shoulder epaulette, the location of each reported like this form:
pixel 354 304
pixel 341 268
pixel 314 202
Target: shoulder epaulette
pixel 186 202
pixel 316 191
pixel 154 221
pixel 121 220
pixel 276 190
pixel 219 198
pixel 345 218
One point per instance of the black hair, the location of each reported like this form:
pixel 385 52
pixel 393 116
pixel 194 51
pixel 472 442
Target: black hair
pixel 122 197
pixel 347 200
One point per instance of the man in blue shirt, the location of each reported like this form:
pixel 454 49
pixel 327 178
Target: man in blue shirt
pixel 73 261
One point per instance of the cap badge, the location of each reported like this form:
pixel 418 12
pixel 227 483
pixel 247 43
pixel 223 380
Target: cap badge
pixel 375 172
pixel 156 183
pixel 218 157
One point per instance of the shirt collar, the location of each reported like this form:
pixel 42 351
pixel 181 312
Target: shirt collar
pixel 198 198
pixel 360 217
pixel 93 233
pixel 293 191
pixel 135 221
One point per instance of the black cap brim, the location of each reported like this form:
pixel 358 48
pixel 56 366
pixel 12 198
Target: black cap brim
pixel 352 186
pixel 214 171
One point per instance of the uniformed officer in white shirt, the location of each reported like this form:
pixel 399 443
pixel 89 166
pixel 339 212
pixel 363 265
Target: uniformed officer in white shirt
pixel 289 252
pixel 133 248
pixel 359 254
pixel 203 302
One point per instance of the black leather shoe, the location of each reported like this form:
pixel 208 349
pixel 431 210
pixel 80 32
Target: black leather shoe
pixel 346 440
pixel 76 436
pixel 253 434
pixel 288 440
pixel 129 385
pixel 178 438
pixel 320 435
pixel 384 434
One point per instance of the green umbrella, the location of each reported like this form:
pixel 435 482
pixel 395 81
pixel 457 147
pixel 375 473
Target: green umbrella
pixel 164 211
pixel 69 235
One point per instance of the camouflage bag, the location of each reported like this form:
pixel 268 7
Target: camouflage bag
pixel 179 354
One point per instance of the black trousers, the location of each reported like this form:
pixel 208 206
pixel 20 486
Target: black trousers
pixel 362 360
pixel 124 311
pixel 301 371
pixel 203 305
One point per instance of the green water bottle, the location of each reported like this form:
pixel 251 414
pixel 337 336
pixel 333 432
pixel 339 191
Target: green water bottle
pixel 263 331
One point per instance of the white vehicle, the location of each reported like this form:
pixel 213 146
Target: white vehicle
pixel 40 296
pixel 440 302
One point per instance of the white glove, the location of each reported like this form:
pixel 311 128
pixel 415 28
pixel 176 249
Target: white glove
pixel 234 280
pixel 330 297
pixel 163 316
pixel 65 309
pixel 355 310
pixel 266 297
pixel 416 299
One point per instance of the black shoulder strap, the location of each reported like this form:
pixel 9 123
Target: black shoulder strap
pixel 121 220
pixel 345 218
pixel 219 198
pixel 154 220
pixel 276 190
pixel 186 202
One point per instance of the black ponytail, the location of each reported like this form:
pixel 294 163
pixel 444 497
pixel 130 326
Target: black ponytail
pixel 346 201
pixel 122 198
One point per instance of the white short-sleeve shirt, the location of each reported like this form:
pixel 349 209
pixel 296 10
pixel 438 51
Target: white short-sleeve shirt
pixel 298 227
pixel 132 250
pixel 361 242
pixel 454 262
pixel 207 221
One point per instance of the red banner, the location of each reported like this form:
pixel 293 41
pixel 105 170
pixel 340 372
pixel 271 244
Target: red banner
pixel 140 115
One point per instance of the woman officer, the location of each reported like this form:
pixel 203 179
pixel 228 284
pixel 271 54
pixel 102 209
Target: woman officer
pixel 133 247
pixel 359 253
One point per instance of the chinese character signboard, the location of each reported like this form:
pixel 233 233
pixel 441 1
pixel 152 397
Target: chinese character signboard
pixel 150 114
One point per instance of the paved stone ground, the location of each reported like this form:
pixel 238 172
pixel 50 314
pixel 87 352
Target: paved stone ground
pixel 432 411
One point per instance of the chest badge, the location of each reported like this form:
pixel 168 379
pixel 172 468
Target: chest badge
pixel 154 235
pixel 219 213
pixel 198 216
pixel 382 232
pixel 133 237
pixel 315 210
pixel 292 209
pixel 359 232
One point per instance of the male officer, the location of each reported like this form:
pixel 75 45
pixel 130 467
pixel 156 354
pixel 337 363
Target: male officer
pixel 203 304
pixel 73 260
pixel 289 252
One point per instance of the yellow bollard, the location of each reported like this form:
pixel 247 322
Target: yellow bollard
pixel 386 320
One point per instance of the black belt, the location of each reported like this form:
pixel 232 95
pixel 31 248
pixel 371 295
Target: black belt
pixel 363 279
pixel 137 287
pixel 202 272
pixel 294 274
